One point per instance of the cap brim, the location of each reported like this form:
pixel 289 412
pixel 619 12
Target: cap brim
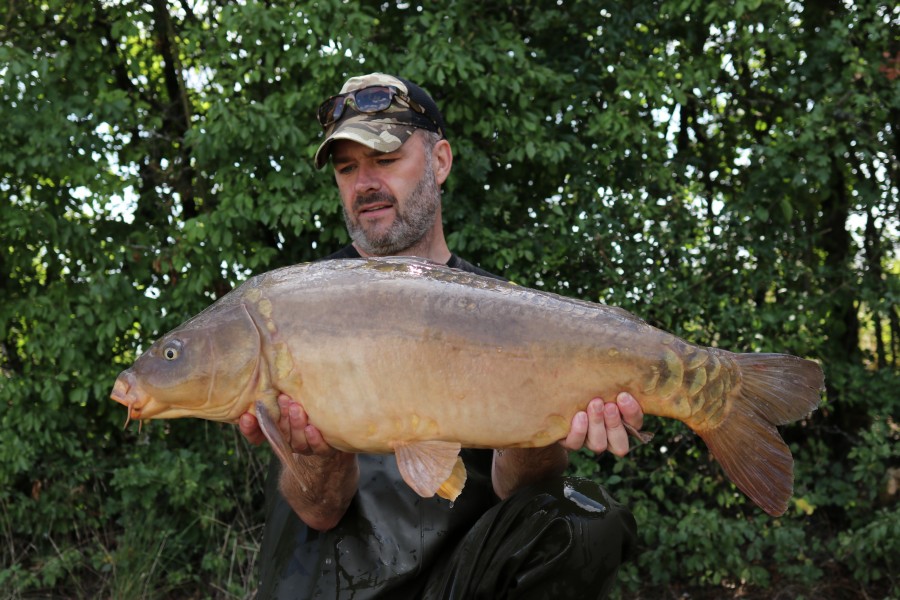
pixel 381 133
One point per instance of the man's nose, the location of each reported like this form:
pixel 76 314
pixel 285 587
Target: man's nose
pixel 367 180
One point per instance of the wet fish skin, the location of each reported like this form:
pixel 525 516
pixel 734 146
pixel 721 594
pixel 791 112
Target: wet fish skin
pixel 402 355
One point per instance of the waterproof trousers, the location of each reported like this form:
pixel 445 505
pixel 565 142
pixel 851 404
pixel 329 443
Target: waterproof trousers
pixel 564 538
pixel 561 539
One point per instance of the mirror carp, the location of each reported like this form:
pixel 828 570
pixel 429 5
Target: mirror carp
pixel 404 356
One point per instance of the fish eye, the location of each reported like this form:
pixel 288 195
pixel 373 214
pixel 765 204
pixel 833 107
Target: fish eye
pixel 172 351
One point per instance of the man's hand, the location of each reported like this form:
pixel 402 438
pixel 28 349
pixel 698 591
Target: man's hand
pixel 318 481
pixel 294 425
pixel 601 426
pixel 250 429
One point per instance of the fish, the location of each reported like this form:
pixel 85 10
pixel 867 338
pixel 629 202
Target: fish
pixel 405 356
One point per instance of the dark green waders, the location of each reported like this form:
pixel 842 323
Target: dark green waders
pixel 564 538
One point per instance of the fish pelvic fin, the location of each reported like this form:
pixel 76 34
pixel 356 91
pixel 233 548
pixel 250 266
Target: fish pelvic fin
pixel 775 389
pixel 431 467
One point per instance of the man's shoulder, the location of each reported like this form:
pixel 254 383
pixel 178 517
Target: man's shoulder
pixel 456 262
pixel 345 252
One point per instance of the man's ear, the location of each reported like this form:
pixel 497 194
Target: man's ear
pixel 442 160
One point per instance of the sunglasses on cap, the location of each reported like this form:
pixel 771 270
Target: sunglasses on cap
pixel 368 100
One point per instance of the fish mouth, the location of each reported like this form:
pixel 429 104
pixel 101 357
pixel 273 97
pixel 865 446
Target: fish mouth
pixel 124 393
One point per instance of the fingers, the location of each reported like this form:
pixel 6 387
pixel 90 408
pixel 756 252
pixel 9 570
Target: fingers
pixel 588 429
pixel 601 426
pixel 284 419
pixel 630 409
pixel 577 433
pixel 617 437
pixel 317 443
pixel 303 437
pixel 249 428
pixel 598 434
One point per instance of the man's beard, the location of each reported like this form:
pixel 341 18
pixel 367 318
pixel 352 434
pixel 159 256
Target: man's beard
pixel 410 224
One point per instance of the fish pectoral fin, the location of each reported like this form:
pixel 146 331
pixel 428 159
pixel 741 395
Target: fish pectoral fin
pixel 432 467
pixel 276 439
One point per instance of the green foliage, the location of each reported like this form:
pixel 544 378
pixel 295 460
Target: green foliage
pixel 725 170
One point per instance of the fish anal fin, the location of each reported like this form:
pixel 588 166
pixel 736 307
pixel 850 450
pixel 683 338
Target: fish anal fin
pixel 643 437
pixel 452 487
pixel 426 466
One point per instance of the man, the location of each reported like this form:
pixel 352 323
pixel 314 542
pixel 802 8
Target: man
pixel 348 526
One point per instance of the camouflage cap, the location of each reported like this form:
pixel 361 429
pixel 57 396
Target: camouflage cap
pixel 385 131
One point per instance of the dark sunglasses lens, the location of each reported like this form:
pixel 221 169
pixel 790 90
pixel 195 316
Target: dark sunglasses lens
pixel 331 110
pixel 368 100
pixel 373 99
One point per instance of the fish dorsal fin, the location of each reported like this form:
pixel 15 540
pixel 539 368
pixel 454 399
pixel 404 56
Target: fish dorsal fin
pixel 427 466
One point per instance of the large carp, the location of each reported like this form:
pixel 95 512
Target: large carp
pixel 400 355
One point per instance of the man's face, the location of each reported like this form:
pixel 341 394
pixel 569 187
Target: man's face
pixel 390 200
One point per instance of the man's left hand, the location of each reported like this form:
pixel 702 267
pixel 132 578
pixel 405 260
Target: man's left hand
pixel 601 426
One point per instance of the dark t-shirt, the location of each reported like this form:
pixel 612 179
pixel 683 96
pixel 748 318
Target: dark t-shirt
pixel 389 538
pixel 455 262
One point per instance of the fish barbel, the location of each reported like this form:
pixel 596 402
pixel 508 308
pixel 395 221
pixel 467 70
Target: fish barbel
pixel 404 356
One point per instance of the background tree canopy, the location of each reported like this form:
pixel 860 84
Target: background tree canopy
pixel 726 170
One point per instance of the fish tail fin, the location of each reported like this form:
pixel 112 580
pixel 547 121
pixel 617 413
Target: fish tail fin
pixel 774 389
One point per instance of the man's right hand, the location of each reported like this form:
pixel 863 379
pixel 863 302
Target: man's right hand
pixel 302 437
pixel 318 481
pixel 250 429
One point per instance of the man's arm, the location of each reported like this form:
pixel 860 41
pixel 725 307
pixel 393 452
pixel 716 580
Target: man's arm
pixel 600 427
pixel 321 481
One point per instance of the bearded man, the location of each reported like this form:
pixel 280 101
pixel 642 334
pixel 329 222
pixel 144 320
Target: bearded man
pixel 347 525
